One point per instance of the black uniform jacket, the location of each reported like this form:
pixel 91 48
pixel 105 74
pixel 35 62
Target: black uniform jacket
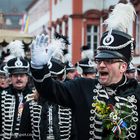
pixel 9 112
pixel 80 94
pixel 35 121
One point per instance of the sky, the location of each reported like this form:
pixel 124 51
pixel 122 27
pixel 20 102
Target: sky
pixel 14 6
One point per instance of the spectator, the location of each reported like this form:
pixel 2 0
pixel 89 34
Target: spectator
pixel 131 71
pixel 86 68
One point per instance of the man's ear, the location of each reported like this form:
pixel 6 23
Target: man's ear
pixel 123 67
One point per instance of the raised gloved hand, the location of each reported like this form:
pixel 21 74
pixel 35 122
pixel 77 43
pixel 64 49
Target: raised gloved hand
pixel 38 51
pixel 41 51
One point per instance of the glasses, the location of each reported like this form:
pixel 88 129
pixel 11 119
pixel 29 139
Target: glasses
pixel 107 61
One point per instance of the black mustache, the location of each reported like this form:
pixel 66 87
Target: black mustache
pixel 19 82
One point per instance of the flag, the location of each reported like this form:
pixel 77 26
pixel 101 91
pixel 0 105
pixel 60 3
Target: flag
pixel 25 23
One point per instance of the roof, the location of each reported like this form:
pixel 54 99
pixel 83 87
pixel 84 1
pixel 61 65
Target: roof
pixel 10 35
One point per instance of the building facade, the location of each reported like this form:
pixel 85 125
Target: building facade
pixel 80 20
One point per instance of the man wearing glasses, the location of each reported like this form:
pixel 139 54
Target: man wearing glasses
pixel 104 108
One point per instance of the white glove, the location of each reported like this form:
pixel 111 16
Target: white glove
pixel 41 52
pixel 38 51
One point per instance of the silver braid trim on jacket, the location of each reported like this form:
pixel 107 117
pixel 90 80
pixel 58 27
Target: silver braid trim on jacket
pixel 35 111
pixel 44 77
pixel 65 122
pixel 129 102
pixel 8 109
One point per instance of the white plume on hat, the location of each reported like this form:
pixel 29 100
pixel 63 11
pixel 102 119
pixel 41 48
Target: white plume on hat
pixel 16 49
pixel 67 57
pixel 87 54
pixel 121 17
pixel 56 46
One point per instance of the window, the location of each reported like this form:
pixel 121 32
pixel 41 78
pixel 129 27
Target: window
pixel 92 37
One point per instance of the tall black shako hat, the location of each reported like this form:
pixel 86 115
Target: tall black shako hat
pixel 131 68
pixel 56 63
pixel 67 60
pixel 69 67
pixel 116 43
pixel 86 66
pixel 86 52
pixel 56 66
pixel 18 65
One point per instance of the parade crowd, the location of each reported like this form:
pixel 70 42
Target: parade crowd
pixel 46 97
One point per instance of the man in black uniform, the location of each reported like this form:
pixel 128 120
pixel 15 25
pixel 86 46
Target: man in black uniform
pixel 70 71
pixel 86 68
pixel 46 120
pixel 131 71
pixel 104 108
pixel 12 100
